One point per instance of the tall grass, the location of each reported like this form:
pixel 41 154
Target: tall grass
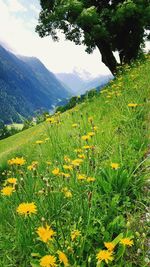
pixel 95 199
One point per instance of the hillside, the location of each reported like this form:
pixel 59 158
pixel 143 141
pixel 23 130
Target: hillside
pixel 79 197
pixel 25 87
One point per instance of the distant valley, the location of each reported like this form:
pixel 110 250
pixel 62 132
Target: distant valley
pixel 78 85
pixel 27 87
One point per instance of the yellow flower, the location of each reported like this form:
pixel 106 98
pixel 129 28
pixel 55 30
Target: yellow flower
pixel 30 168
pixel 56 171
pixel 7 191
pixel 85 137
pixel 76 162
pixel 48 261
pixel 48 162
pixel 91 134
pixel 11 181
pixel 33 166
pixel 67 159
pixel 74 125
pixel 81 177
pixel 75 234
pixel 90 179
pixel 50 120
pixel 126 241
pixel 17 161
pixel 81 156
pixel 132 105
pixel 95 128
pixel 68 167
pixel 65 175
pixel 90 119
pixel 68 194
pixel 63 258
pixel 39 142
pixel 104 255
pixel 45 233
pixel 27 208
pixel 114 166
pixel 109 245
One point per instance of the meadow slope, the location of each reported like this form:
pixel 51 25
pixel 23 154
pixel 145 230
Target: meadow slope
pixel 78 193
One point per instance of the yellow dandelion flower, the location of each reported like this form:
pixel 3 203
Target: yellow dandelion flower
pixel 81 156
pixel 90 119
pixel 68 194
pixel 45 233
pixel 127 241
pixel 7 191
pixel 30 168
pixel 17 161
pixel 11 181
pixel 67 159
pixel 114 166
pixel 91 134
pixel 132 105
pixel 39 142
pixel 81 177
pixel 68 167
pixel 104 255
pixel 75 234
pixel 64 189
pixel 76 162
pixel 48 163
pixel 109 245
pixel 85 137
pixel 56 171
pixel 75 125
pixel 90 179
pixel 50 120
pixel 65 175
pixel 63 258
pixel 27 208
pixel 95 128
pixel 48 261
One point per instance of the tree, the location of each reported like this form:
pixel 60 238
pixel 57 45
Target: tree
pixel 110 25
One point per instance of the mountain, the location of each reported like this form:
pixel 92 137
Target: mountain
pixel 78 85
pixel 26 86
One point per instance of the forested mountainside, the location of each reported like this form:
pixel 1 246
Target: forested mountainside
pixel 26 86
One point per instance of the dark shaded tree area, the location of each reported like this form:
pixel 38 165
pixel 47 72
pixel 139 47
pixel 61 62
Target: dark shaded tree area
pixel 110 25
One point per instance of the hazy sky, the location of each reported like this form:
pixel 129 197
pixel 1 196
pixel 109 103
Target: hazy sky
pixel 18 19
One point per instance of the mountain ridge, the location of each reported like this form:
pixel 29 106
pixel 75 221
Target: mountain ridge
pixel 22 90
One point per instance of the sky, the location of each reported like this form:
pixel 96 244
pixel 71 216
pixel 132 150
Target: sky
pixel 18 19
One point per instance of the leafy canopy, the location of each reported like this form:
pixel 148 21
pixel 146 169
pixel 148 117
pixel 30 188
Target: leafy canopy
pixel 111 25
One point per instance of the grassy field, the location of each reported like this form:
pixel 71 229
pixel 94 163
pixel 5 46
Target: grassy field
pixel 78 197
pixel 18 126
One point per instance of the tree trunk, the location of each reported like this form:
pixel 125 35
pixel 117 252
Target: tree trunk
pixel 107 56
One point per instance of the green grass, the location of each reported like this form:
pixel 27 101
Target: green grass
pixel 104 210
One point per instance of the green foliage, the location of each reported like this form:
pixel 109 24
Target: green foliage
pixel 110 25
